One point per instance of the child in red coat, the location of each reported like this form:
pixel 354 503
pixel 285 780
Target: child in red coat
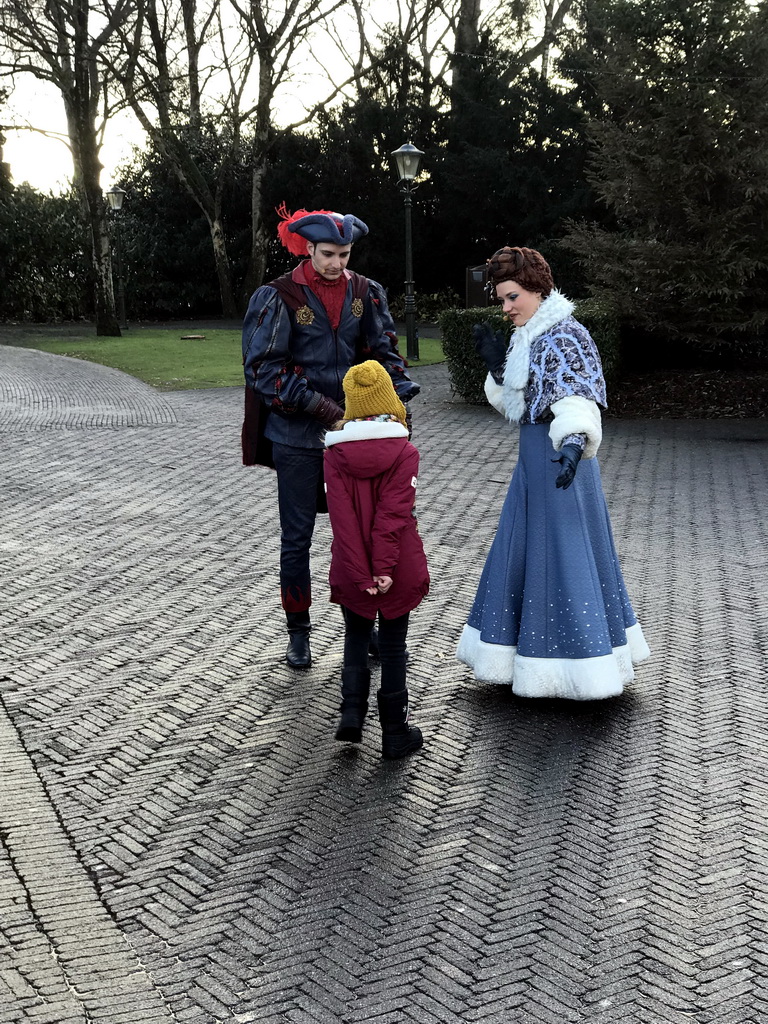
pixel 378 566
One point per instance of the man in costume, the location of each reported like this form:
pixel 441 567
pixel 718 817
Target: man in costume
pixel 301 334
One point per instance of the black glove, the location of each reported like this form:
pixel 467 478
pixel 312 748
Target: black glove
pixel 327 411
pixel 569 460
pixel 491 346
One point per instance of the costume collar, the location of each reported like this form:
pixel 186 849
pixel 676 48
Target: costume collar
pixel 306 274
pixel 517 369
pixel 551 311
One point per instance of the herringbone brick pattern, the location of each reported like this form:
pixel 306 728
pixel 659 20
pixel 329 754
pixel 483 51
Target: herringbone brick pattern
pixel 537 862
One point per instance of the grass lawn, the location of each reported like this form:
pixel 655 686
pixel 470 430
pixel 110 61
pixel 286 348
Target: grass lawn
pixel 164 359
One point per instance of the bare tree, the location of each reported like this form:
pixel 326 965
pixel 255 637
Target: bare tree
pixel 171 54
pixel 64 42
pixel 221 62
pixel 533 27
pixel 278 34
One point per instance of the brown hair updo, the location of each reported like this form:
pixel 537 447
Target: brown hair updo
pixel 526 266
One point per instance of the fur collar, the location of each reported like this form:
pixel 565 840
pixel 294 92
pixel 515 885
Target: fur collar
pixel 517 368
pixel 365 430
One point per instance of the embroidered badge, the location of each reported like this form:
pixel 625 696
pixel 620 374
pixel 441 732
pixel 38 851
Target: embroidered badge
pixel 304 315
pixel 357 308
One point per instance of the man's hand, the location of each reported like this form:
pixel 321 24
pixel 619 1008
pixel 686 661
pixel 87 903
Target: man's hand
pixel 327 411
pixel 383 583
pixel 569 460
pixel 491 346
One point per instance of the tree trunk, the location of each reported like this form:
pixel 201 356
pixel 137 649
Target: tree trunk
pixel 81 99
pixel 465 46
pixel 257 264
pixel 223 268
pixel 85 153
pixel 107 325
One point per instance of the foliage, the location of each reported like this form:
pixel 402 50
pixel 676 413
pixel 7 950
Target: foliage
pixel 601 319
pixel 681 164
pixel 168 260
pixel 465 367
pixel 44 267
pixel 467 370
pixel 511 170
pixel 428 307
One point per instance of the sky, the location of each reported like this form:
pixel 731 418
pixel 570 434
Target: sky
pixel 45 162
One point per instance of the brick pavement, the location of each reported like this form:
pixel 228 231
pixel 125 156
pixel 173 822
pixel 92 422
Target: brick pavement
pixel 183 840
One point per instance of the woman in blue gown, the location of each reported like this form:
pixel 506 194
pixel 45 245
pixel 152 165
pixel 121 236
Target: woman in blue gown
pixel 552 616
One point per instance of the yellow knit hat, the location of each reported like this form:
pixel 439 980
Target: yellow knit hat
pixel 370 392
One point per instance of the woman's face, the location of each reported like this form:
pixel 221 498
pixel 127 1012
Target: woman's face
pixel 518 303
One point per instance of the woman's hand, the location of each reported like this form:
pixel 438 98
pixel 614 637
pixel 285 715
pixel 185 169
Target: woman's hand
pixel 492 348
pixel 569 460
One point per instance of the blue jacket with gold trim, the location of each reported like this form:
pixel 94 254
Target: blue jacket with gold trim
pixel 292 356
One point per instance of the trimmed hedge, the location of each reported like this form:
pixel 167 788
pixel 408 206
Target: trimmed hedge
pixel 467 370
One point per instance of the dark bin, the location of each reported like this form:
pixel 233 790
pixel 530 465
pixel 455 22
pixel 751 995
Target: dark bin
pixel 475 289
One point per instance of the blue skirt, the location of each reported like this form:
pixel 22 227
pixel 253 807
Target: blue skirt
pixel 552 615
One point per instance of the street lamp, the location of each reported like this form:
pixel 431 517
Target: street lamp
pixel 408 161
pixel 115 198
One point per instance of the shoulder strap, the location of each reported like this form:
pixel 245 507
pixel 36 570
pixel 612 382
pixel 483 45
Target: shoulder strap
pixel 290 291
pixel 359 285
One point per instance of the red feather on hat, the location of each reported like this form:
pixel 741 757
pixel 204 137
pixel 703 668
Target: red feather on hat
pixel 293 242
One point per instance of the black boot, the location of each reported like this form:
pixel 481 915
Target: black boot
pixel 298 654
pixel 397 737
pixel 355 684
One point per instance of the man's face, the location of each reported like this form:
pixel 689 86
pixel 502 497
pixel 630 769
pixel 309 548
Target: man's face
pixel 329 260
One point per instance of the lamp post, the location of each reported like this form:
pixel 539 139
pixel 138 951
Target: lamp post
pixel 408 161
pixel 115 198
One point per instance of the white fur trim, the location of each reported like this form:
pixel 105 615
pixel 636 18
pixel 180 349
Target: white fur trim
pixel 572 678
pixel 638 645
pixel 576 415
pixel 365 430
pixel 517 368
pixel 494 393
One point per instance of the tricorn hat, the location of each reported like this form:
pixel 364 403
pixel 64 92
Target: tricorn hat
pixel 296 229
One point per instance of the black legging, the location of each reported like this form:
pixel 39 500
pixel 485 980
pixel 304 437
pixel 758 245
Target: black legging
pixel 393 634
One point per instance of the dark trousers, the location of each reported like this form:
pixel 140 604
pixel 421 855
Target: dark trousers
pixel 299 481
pixel 393 634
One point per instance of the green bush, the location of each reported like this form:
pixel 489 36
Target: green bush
pixel 44 264
pixel 602 321
pixel 428 307
pixel 468 372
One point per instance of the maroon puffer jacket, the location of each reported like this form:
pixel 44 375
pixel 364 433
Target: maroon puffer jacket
pixel 370 481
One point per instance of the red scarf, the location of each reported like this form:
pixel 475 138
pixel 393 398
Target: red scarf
pixel 330 293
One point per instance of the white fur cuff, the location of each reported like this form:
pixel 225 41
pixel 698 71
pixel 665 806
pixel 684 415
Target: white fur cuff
pixel 494 393
pixel 576 415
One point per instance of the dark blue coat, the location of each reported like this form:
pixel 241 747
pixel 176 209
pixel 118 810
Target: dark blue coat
pixel 291 354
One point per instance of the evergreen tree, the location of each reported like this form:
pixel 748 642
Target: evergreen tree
pixel 680 130
pixel 168 260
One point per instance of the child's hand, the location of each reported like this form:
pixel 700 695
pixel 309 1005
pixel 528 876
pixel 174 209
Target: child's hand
pixel 383 583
